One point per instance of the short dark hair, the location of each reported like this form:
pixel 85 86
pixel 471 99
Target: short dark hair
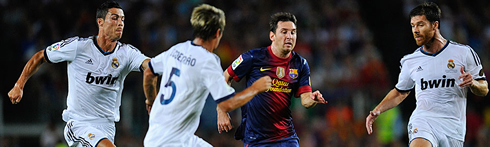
pixel 430 10
pixel 206 20
pixel 280 16
pixel 104 8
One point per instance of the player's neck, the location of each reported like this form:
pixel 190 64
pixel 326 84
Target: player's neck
pixel 105 44
pixel 208 45
pixel 280 54
pixel 436 44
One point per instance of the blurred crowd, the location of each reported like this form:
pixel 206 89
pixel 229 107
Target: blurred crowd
pixel 349 63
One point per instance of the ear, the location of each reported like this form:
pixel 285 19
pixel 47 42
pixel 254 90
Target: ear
pixel 218 33
pixel 272 36
pixel 100 22
pixel 436 25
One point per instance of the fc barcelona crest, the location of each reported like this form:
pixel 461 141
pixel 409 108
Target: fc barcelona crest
pixel 293 73
pixel 280 72
pixel 115 63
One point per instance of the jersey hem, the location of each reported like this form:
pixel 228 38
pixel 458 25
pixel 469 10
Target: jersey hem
pixel 402 91
pixel 481 79
pixel 302 90
pixel 232 74
pixel 151 68
pixel 225 98
pixel 46 57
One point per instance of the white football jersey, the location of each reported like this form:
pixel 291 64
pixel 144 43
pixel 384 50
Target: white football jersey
pixel 189 74
pixel 95 78
pixel 435 77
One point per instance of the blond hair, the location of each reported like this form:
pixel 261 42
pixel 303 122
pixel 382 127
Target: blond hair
pixel 206 20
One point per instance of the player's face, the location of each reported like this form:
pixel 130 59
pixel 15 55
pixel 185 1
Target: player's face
pixel 285 36
pixel 423 31
pixel 114 24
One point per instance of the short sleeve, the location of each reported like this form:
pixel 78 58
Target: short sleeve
pixel 64 50
pixel 473 65
pixel 304 79
pixel 241 66
pixel 405 83
pixel 156 64
pixel 214 81
pixel 137 58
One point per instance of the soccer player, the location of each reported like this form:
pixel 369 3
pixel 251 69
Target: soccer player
pixel 266 119
pixel 441 71
pixel 190 72
pixel 97 67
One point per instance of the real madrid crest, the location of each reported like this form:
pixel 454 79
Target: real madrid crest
pixel 91 136
pixel 280 72
pixel 450 64
pixel 115 63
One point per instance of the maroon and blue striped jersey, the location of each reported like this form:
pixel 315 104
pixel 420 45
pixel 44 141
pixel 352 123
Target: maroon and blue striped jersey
pixel 267 117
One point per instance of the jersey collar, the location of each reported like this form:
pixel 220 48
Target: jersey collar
pixel 193 44
pixel 435 54
pixel 100 49
pixel 277 58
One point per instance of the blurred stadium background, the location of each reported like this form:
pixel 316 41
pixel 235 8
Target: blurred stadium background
pixel 353 48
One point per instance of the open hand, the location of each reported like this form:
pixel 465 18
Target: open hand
pixel 466 77
pixel 318 97
pixel 370 120
pixel 224 122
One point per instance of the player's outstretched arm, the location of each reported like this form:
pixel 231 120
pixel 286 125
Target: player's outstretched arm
pixel 224 119
pixel 246 95
pixel 392 99
pixel 309 99
pixel 15 94
pixel 149 87
pixel 478 87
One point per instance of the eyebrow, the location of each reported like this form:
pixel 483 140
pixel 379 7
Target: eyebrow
pixel 112 14
pixel 418 22
pixel 117 15
pixel 288 29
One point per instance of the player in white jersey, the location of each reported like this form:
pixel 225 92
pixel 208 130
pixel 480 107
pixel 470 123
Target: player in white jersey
pixel 441 71
pixel 190 72
pixel 97 67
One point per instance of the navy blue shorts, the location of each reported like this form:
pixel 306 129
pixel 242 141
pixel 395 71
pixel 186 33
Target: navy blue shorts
pixel 293 142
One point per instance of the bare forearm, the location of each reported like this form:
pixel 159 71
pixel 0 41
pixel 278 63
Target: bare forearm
pixel 391 100
pixel 310 104
pixel 30 68
pixel 149 85
pixel 479 88
pixel 220 112
pixel 306 100
pixel 238 100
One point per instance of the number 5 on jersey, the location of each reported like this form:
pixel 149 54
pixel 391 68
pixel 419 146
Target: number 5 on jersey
pixel 171 83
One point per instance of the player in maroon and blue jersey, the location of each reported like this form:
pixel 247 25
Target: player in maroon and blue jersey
pixel 266 119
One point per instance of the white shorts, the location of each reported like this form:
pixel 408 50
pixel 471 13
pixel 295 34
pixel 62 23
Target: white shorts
pixel 183 141
pixel 198 142
pixel 83 134
pixel 421 128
